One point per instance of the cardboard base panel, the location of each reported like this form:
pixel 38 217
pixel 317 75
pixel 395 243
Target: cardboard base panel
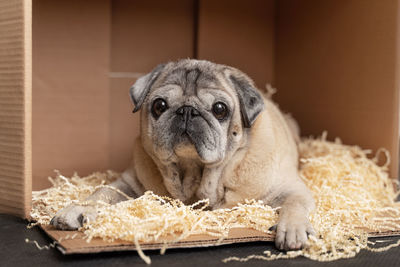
pixel 78 245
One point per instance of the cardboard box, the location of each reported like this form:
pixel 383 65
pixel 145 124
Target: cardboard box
pixel 66 67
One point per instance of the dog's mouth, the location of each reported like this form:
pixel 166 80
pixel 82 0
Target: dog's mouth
pixel 195 139
pixel 185 136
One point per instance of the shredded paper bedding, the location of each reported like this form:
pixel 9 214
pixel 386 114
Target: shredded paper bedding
pixel 354 196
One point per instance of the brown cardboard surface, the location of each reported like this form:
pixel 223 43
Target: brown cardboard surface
pixel 124 125
pixel 240 34
pixel 71 47
pixel 80 245
pixel 72 242
pixel 337 69
pixel 147 33
pixel 15 107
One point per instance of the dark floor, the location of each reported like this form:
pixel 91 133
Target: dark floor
pixel 15 252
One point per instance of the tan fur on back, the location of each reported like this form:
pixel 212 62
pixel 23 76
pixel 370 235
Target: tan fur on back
pixel 257 169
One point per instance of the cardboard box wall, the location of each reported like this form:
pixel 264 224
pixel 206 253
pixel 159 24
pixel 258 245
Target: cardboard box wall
pixel 335 64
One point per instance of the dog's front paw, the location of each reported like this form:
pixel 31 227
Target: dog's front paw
pixel 73 217
pixel 292 232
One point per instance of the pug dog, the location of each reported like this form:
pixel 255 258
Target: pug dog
pixel 207 132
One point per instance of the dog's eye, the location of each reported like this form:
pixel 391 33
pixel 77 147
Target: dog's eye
pixel 159 107
pixel 220 110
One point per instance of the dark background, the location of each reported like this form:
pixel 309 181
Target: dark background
pixel 15 252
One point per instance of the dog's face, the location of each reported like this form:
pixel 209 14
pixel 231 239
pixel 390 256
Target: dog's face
pixel 195 110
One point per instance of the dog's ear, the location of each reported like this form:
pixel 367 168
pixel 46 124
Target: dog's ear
pixel 141 87
pixel 250 99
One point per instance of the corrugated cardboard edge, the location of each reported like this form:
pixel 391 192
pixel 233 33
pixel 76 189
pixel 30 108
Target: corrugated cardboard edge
pixel 15 113
pixel 27 9
pixel 78 245
pixel 396 98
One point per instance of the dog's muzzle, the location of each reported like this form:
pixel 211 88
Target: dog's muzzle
pixel 187 113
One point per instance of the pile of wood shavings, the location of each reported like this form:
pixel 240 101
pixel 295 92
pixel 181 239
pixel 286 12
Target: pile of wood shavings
pixel 354 196
pixel 66 191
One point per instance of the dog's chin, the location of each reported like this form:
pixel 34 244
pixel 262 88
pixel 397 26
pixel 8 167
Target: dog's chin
pixel 186 150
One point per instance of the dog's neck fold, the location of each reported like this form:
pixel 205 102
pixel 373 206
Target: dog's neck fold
pixel 182 178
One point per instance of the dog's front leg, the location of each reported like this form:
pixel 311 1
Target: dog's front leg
pixel 211 187
pixel 74 216
pixel 294 226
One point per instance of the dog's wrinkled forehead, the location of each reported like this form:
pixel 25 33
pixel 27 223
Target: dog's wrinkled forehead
pixel 190 77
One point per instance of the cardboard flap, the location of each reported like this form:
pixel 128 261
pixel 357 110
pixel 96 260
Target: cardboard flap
pixel 79 245
pixel 15 106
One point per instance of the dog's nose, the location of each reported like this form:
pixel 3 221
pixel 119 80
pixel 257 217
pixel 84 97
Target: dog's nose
pixel 187 111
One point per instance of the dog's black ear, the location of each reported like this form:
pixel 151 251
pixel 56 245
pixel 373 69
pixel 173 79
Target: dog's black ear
pixel 250 99
pixel 141 87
